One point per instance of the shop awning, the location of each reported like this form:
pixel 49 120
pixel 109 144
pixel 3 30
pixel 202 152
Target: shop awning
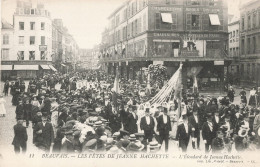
pixel 63 65
pixel 45 67
pixel 6 67
pixel 166 17
pixel 51 67
pixel 26 67
pixel 214 19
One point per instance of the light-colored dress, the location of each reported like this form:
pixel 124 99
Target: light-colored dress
pixel 2 106
pixel 174 123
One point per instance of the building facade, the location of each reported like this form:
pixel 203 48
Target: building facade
pixel 7 50
pixel 234 50
pixel 32 43
pixel 35 44
pixel 250 43
pixel 168 32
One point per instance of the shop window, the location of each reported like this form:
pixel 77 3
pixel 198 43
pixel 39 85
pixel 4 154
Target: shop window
pixel 31 55
pixel 21 25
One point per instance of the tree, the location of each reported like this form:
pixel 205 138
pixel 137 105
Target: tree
pixel 157 74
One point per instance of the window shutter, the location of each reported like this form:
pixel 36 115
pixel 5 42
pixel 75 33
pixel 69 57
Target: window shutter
pixel 188 21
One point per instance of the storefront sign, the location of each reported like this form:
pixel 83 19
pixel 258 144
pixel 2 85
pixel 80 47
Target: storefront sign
pixel 219 63
pixel 206 10
pixel 157 62
pixel 166 8
pixel 43 47
pixel 197 36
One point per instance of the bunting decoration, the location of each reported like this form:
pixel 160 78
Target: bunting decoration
pixel 173 85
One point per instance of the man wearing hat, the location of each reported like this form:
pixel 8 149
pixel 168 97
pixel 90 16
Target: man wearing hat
pixel 147 125
pixel 164 127
pixel 208 133
pixel 20 137
pixel 67 143
pixel 183 133
pixel 44 134
pixel 194 122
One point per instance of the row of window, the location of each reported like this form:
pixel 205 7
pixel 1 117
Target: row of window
pixel 31 40
pixel 28 11
pixel 32 26
pixel 132 9
pixel 21 40
pixel 250 43
pixel 251 21
pixel 132 29
pixel 234 51
pixel 233 34
pixel 20 55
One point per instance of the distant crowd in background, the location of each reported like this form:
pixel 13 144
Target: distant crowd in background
pixel 86 114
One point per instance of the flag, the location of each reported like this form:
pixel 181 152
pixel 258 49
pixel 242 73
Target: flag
pixel 178 84
pixel 195 85
pixel 116 84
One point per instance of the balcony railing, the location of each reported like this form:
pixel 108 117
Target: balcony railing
pixel 210 53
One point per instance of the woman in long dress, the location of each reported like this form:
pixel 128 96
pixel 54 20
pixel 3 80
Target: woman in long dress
pixel 173 113
pixel 2 106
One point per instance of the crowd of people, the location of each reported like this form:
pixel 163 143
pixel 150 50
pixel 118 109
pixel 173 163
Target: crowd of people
pixel 86 114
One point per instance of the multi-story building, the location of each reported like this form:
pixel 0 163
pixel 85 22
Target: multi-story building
pixel 7 49
pixel 32 41
pixel 234 51
pixel 168 32
pixel 85 58
pixel 35 43
pixel 250 42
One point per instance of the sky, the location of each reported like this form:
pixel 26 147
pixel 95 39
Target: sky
pixel 85 19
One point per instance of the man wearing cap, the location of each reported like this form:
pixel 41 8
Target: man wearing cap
pixel 20 137
pixel 183 133
pixel 164 127
pixel 208 133
pixel 147 125
pixel 194 122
